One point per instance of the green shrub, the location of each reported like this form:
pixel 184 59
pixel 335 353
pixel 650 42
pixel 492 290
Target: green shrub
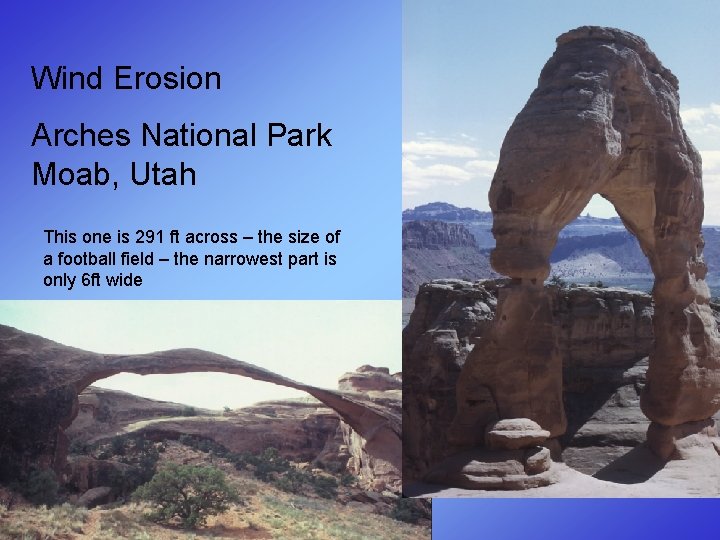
pixel 297 481
pixel 208 446
pixel 190 493
pixel 185 439
pixel 103 414
pixel 325 486
pixel 40 487
pixel 242 460
pixel 293 481
pixel 410 510
pixel 141 456
pixel 270 466
pixel 332 467
pixel 79 447
pixel 348 480
pixel 189 411
pixel 117 446
pixel 268 463
pixel 142 468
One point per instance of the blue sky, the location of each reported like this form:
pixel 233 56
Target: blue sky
pixel 469 67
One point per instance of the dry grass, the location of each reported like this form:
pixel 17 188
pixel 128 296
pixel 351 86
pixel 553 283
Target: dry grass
pixel 292 517
pixel 268 513
pixel 41 523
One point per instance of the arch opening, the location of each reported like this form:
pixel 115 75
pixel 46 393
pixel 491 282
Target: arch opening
pixel 597 249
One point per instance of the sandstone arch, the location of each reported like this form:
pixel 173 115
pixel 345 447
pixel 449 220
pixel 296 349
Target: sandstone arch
pixel 40 381
pixel 604 119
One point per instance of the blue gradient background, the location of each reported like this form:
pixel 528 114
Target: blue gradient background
pixel 299 63
pixel 577 519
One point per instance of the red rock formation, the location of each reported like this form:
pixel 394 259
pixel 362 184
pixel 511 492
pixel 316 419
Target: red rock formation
pixel 604 119
pixel 369 379
pixel 297 428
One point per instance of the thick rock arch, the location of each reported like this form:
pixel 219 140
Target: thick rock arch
pixel 40 381
pixel 604 119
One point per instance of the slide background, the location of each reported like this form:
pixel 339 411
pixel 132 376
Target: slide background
pixel 574 519
pixel 297 63
pixel 339 63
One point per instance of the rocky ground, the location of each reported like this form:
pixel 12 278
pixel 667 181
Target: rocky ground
pixel 637 473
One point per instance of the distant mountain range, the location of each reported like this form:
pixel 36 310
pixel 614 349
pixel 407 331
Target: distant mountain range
pixel 441 211
pixel 436 245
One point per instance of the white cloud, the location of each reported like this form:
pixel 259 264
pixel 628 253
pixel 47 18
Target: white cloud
pixel 703 125
pixel 436 148
pixel 482 167
pixel 700 121
pixel 430 163
pixel 695 115
pixel 711 184
pixel 711 163
pixel 417 178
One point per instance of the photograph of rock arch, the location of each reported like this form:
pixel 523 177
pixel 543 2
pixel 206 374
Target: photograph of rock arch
pixel 115 414
pixel 521 384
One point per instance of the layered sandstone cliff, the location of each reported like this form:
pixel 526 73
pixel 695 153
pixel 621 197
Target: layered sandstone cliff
pixel 438 249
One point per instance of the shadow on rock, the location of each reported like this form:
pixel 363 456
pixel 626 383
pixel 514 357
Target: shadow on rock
pixel 635 467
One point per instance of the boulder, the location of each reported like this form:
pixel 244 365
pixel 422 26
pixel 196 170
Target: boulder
pixel 95 496
pixel 369 379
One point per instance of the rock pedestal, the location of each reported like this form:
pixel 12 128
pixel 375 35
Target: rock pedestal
pixel 515 371
pixel 515 434
pixel 674 442
pixel 512 461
